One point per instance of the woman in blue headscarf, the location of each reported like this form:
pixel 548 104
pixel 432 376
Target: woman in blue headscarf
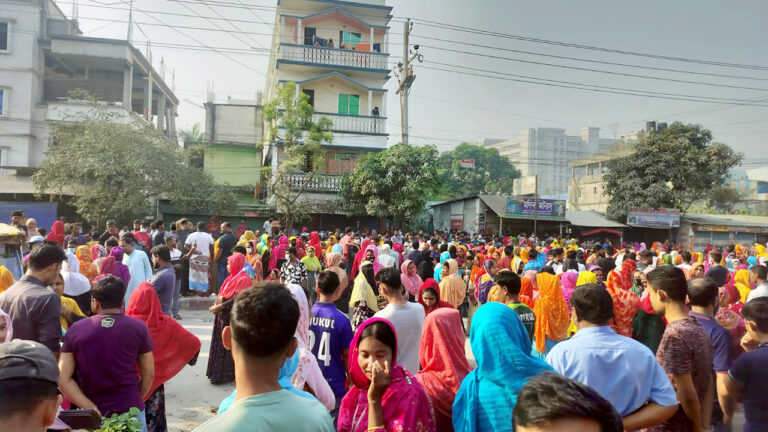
pixel 286 372
pixel 438 274
pixel 502 349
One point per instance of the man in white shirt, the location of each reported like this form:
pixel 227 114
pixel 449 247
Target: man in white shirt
pixel 407 317
pixel 686 265
pixel 200 243
pixel 757 275
pixel 267 228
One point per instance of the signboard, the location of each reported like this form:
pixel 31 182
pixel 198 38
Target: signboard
pixel 653 218
pixel 525 207
pixel 524 185
pixel 467 163
pixel 457 224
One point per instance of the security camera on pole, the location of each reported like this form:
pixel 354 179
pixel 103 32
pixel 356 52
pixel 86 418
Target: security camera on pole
pixel 405 76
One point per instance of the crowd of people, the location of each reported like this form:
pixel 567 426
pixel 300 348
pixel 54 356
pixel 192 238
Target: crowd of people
pixel 358 331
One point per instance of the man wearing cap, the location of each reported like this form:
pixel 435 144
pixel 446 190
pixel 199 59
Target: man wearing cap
pixel 34 309
pixel 29 396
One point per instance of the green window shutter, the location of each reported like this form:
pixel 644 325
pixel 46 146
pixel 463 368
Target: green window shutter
pixel 355 38
pixel 343 104
pixel 354 105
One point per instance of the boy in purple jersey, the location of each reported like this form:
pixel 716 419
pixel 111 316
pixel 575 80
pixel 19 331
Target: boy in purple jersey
pixel 331 334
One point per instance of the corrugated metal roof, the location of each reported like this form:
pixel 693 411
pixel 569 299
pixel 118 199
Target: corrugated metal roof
pixel 497 203
pixel 591 219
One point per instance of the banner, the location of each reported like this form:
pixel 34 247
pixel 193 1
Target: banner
pixel 467 163
pixel 518 207
pixel 653 218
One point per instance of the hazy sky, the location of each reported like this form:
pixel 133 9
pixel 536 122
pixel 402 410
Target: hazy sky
pixel 447 108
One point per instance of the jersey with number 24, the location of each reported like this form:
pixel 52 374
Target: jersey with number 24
pixel 330 334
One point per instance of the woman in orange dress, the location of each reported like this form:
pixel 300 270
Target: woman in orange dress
pixel 625 302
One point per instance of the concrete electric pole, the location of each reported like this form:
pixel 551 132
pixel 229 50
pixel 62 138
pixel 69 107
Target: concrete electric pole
pixel 405 76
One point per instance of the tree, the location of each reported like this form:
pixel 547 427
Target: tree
pixel 492 174
pixel 673 169
pixel 194 144
pixel 292 130
pixel 119 170
pixel 723 198
pixel 391 183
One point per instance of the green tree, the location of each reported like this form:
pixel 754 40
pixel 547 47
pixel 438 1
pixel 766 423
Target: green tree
pixel 723 198
pixel 391 183
pixel 118 168
pixel 671 169
pixel 194 144
pixel 292 130
pixel 492 174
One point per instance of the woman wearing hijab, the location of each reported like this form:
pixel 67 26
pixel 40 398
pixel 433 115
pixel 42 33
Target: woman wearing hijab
pixel 478 269
pixel 568 281
pixel 308 376
pixel 314 241
pixel 444 365
pixel 410 278
pixel 398 248
pixel 488 394
pixel 6 327
pixel 429 297
pixel 364 302
pixel 426 268
pixel 486 280
pixel 65 319
pixel 175 347
pixel 87 268
pixel 360 257
pixel 76 286
pixel 526 292
pixel 57 234
pixel 120 270
pixel 397 400
pixel 278 254
pixel 301 248
pixel 438 273
pixel 625 302
pixel 385 258
pixel 6 278
pixel 247 236
pixel 221 367
pixel 552 315
pixel 253 259
pixel 742 283
pixel 333 263
pixel 312 263
pixel 453 289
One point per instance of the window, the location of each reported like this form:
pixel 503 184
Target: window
pixel 3 102
pixel 310 97
pixel 349 104
pixel 4 36
pixel 351 39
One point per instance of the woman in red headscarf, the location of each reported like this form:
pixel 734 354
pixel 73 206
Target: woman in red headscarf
pixel 175 347
pixel 57 234
pixel 625 302
pixel 429 297
pixel 221 367
pixel 444 365
pixel 314 241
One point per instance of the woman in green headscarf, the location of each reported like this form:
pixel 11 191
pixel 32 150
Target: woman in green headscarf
pixel 313 269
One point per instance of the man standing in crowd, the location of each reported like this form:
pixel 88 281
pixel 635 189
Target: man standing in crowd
pixel 104 350
pixel 556 260
pixel 509 284
pixel 645 261
pixel 176 263
pixel 407 317
pixel 621 369
pixel 141 234
pixel 111 231
pixel 183 228
pixel 200 244
pixel 164 279
pixel 158 237
pixel 34 309
pixel 29 394
pixel 267 227
pixel 137 263
pixel 757 275
pixel 685 351
pixel 75 235
pixel 226 242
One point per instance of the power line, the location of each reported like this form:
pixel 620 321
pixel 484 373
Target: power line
pixel 458 28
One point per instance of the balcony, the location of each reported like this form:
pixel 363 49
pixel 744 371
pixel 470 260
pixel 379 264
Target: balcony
pixel 319 183
pixel 356 124
pixel 333 57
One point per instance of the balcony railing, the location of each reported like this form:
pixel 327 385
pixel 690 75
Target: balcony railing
pixel 319 183
pixel 333 56
pixel 353 123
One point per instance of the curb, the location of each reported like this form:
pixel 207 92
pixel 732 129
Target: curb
pixel 196 303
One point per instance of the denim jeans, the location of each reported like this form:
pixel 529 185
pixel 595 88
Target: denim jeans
pixel 176 297
pixel 142 418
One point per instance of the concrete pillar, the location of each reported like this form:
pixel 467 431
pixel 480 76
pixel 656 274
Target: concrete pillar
pixel 282 29
pixel 148 87
pixel 370 102
pixel 299 32
pixel 298 91
pixel 161 112
pixel 172 123
pixel 385 48
pixel 371 47
pixel 383 107
pixel 128 87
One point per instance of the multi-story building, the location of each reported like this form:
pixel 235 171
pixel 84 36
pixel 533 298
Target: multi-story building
pixel 43 57
pixel 586 187
pixel 545 152
pixel 337 53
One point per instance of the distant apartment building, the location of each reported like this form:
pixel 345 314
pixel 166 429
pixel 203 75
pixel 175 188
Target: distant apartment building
pixel 752 186
pixel 586 187
pixel 337 53
pixel 545 152
pixel 43 57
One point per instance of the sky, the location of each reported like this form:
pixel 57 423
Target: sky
pixel 447 108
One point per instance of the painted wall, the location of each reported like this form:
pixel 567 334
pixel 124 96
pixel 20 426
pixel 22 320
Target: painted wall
pixel 235 165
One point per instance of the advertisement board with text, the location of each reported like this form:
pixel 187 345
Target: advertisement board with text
pixel 526 207
pixel 653 218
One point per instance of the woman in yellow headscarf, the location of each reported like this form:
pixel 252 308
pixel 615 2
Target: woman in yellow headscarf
pixel 586 277
pixel 247 236
pixel 6 278
pixel 741 280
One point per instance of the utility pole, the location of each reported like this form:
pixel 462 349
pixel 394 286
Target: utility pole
pixel 535 205
pixel 404 73
pixel 130 22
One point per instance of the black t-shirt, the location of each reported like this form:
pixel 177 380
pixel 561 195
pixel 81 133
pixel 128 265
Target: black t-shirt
pixel 105 236
pixel 226 243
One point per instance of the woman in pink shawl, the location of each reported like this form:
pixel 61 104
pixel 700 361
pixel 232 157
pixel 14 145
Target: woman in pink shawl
pixel 568 282
pixel 359 258
pixel 410 278
pixel 121 270
pixel 308 376
pixel 278 252
pixel 398 248
pixel 398 400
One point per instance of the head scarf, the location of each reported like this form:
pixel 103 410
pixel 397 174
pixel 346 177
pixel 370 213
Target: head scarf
pixel 362 290
pixel 625 302
pixel 87 268
pixel 477 270
pixel 385 258
pixel 453 288
pixel 57 233
pixel 174 345
pixel 263 245
pixel 488 394
pixel 314 241
pixel 531 276
pixel 108 266
pixel 278 252
pixel 411 282
pixel 117 252
pixel 332 261
pixel 486 282
pixel 742 283
pixel 8 325
pixel 247 236
pixel 405 404
pixel 568 281
pixel 98 251
pixel 312 262
pixel 694 266
pixel 238 279
pixel 444 365
pixel 431 283
pixel 301 248
pixel 308 371
pixel 526 292
pixel 75 283
pixel 6 278
pixel 438 273
pixel 551 312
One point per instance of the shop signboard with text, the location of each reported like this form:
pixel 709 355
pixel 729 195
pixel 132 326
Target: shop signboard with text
pixel 526 207
pixel 653 218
